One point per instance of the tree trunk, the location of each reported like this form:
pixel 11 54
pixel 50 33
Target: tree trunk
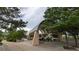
pixel 60 36
pixel 67 43
pixel 76 43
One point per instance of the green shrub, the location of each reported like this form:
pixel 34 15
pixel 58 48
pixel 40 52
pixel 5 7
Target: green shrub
pixel 15 35
pixel 48 39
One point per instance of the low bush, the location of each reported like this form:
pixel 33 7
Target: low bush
pixel 15 35
pixel 48 39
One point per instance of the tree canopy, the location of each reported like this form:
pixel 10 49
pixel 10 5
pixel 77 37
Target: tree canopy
pixel 10 18
pixel 62 20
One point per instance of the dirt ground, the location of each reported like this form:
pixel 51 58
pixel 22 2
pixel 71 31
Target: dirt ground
pixel 26 45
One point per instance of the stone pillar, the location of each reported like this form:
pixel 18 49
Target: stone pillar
pixel 35 40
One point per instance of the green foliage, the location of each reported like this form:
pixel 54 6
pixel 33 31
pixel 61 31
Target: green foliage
pixel 48 39
pixel 61 19
pixel 15 35
pixel 7 14
pixel 8 18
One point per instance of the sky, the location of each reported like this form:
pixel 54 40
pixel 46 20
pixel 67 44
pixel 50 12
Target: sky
pixel 34 15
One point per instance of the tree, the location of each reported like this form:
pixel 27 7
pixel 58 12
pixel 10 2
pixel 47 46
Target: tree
pixel 62 20
pixel 8 18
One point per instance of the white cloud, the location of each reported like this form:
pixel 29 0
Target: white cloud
pixel 34 15
pixel 28 12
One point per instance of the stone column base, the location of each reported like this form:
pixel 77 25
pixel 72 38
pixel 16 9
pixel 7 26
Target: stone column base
pixel 35 41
